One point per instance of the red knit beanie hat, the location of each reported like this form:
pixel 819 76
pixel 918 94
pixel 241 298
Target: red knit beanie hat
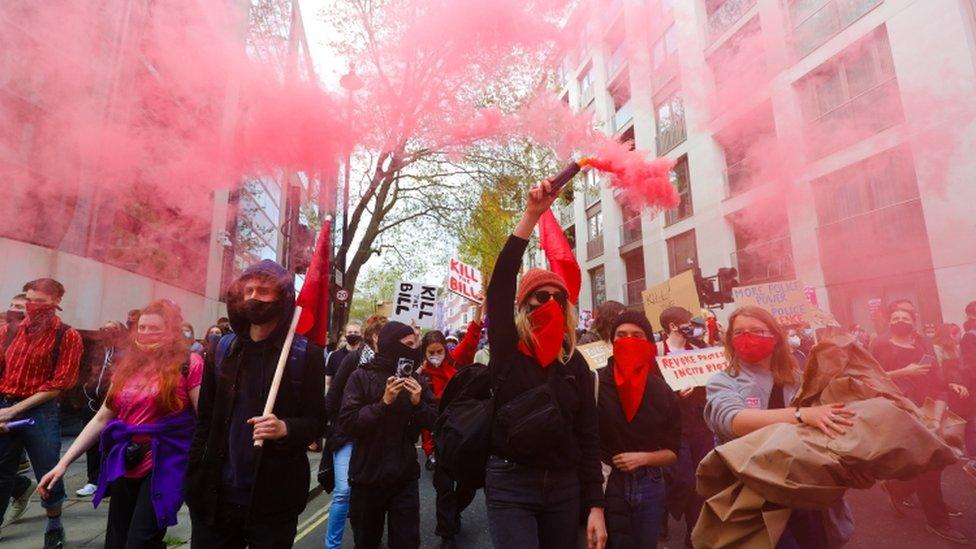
pixel 534 279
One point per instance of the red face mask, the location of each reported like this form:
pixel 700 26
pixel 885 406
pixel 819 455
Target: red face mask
pixel 633 359
pixel 150 342
pixel 547 327
pixel 753 348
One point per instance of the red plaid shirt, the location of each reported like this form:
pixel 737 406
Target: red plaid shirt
pixel 26 362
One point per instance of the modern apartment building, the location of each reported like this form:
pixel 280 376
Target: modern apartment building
pixel 877 202
pixel 119 249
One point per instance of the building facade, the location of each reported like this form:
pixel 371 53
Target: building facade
pixel 117 249
pixel 872 203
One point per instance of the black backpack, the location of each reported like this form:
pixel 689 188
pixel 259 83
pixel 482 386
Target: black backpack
pixel 462 433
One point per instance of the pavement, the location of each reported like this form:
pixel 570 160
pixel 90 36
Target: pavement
pixel 877 526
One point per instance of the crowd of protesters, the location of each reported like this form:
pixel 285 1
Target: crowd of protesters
pixel 170 419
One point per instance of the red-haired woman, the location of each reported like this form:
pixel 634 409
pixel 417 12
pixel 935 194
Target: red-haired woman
pixel 754 391
pixel 545 447
pixel 145 425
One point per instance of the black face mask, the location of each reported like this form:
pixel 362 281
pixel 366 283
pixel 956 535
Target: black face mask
pixel 261 312
pixel 354 339
pixel 689 332
pixel 14 316
pixel 901 329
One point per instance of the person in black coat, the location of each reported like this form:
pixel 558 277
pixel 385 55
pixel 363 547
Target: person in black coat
pixel 544 463
pixel 640 432
pixel 239 494
pixel 384 407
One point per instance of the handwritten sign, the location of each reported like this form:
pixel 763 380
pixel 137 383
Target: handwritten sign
pixel 686 369
pixel 414 303
pixel 788 301
pixel 596 354
pixel 679 291
pixel 464 280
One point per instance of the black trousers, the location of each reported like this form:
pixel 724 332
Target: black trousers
pixel 452 499
pixel 232 530
pixel 131 517
pixel 93 457
pixel 398 506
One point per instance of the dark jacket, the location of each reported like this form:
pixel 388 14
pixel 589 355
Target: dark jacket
pixel 281 474
pixel 892 357
pixel 333 398
pixel 384 452
pixel 514 373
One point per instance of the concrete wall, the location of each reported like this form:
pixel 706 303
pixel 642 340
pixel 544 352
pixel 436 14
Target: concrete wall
pixel 96 292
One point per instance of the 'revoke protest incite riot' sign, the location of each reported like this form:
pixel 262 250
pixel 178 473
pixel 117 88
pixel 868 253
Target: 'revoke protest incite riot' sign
pixel 686 369
pixel 414 303
pixel 464 280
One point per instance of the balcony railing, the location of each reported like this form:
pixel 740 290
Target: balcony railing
pixel 740 177
pixel 591 194
pixel 671 136
pixel 765 262
pixel 630 231
pixel 633 290
pixel 623 116
pixel 594 248
pixel 727 15
pixel 566 215
pixel 812 30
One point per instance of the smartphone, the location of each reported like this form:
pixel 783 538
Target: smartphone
pixel 404 368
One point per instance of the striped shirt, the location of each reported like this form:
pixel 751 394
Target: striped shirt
pixel 26 362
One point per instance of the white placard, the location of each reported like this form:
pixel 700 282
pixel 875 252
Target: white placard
pixel 414 304
pixel 684 369
pixel 464 280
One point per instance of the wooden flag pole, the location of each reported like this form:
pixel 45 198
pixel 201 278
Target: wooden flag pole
pixel 280 369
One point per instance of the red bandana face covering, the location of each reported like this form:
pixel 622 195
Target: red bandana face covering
pixel 547 327
pixel 633 359
pixel 752 348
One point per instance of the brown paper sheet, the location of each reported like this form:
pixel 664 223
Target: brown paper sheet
pixel 751 483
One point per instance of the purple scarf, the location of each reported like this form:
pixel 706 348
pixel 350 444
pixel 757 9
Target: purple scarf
pixel 171 437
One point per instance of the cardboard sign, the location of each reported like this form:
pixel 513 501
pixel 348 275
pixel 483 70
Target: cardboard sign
pixel 789 302
pixel 686 369
pixel 679 291
pixel 596 353
pixel 464 280
pixel 414 304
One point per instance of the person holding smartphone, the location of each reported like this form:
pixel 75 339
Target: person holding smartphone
pixel 910 361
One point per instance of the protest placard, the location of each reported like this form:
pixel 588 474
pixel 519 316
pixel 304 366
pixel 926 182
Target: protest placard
pixel 414 303
pixel 685 369
pixel 464 280
pixel 596 353
pixel 788 301
pixel 679 291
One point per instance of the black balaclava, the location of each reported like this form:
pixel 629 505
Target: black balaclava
pixel 389 348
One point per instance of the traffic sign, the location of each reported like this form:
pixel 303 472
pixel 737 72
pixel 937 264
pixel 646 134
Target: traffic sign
pixel 342 295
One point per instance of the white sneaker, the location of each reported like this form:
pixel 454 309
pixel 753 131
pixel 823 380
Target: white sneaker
pixel 86 490
pixel 19 506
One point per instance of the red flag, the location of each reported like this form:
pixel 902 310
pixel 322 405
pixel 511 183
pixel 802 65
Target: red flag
pixel 314 297
pixel 560 254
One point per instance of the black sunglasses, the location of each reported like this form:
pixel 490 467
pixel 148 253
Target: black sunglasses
pixel 543 296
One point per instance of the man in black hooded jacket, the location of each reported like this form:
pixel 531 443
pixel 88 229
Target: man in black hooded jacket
pixel 383 410
pixel 240 495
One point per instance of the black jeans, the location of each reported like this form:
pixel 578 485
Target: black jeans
pixel 131 516
pixel 452 499
pixel 399 506
pixel 233 530
pixel 928 487
pixel 531 508
pixel 93 457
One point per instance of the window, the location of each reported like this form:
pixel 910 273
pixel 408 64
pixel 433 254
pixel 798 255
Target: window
pixel 591 189
pixel 744 142
pixel 630 229
pixel 740 60
pixel 634 270
pixel 851 97
pixel 670 120
pixel 682 252
pixel 878 182
pixel 816 21
pixel 623 112
pixel 724 14
pixel 598 285
pixel 586 85
pixel 681 181
pixel 594 234
pixel 763 248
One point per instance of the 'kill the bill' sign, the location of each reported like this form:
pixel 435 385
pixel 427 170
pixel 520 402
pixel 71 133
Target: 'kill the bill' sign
pixel 686 369
pixel 414 304
pixel 464 280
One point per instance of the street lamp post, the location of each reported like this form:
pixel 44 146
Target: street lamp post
pixel 351 83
